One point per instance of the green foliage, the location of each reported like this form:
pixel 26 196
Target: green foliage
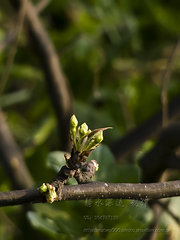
pixel 56 160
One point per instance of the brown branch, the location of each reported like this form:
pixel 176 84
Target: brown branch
pixel 8 39
pixel 146 130
pixel 165 82
pixel 56 81
pixel 161 156
pixel 10 156
pixel 152 170
pixel 97 190
pixel 42 5
pixel 152 235
pixel 166 208
pixel 13 47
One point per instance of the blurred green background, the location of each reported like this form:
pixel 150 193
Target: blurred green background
pixel 113 54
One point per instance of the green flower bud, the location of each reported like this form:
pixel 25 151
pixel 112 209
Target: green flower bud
pixel 73 126
pixel 89 131
pixel 94 141
pixel 51 195
pixel 73 122
pixel 90 145
pixel 98 137
pixel 43 188
pixel 49 191
pixel 83 130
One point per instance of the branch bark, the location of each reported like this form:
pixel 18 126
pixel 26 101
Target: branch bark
pixel 165 82
pixel 121 147
pixel 162 155
pixel 56 81
pixel 97 190
pixel 11 157
pixel 13 46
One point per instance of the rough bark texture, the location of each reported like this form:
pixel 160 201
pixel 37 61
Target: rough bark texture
pixel 97 190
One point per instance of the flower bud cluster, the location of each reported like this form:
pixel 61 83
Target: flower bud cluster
pixel 82 137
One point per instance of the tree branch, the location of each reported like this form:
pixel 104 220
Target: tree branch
pixel 11 157
pixel 97 190
pixel 162 155
pixel 165 82
pixel 13 47
pixel 56 81
pixel 166 208
pixel 146 130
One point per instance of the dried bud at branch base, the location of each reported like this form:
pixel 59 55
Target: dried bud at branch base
pixel 96 165
pixel 86 173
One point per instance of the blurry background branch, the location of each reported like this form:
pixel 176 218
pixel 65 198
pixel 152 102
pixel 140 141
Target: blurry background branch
pixel 13 39
pixel 150 128
pixel 56 81
pixel 165 83
pixel 11 158
pixel 164 152
pixel 41 5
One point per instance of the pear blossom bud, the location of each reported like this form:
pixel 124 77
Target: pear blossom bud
pixel 73 122
pixel 98 137
pixel 83 130
pixel 73 126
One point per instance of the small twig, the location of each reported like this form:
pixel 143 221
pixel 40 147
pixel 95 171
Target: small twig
pixel 161 156
pixel 42 5
pixel 148 129
pixel 9 224
pixel 165 82
pixel 125 111
pixel 11 158
pixel 97 190
pixel 56 81
pixel 165 207
pixel 152 235
pixel 8 39
pixel 13 47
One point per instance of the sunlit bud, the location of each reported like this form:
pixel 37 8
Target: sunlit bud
pixel 51 195
pixel 43 188
pixel 90 145
pixel 89 131
pixel 95 141
pixel 73 122
pixel 73 126
pixel 98 137
pixel 83 130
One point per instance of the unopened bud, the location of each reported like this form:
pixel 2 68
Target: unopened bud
pixel 43 188
pixel 98 137
pixel 73 126
pixel 83 130
pixel 73 122
pixel 51 195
